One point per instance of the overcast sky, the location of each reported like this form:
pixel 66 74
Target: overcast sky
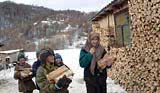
pixel 82 5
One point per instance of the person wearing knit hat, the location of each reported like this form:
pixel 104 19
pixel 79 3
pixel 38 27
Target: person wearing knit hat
pixel 36 65
pixel 45 53
pixel 58 60
pixel 20 55
pixel 23 73
pixel 47 58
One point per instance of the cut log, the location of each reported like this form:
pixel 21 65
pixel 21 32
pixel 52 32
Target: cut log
pixel 58 73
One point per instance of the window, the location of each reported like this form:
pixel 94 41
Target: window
pixel 123 34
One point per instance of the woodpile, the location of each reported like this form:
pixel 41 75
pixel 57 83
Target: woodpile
pixel 105 34
pixel 137 68
pixel 55 75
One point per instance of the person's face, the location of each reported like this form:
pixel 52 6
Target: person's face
pixel 58 60
pixel 95 41
pixel 21 60
pixel 38 57
pixel 50 59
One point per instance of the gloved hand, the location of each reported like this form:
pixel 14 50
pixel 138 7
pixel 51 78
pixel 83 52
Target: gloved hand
pixel 67 82
pixel 63 82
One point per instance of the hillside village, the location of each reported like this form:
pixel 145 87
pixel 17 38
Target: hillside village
pixel 25 24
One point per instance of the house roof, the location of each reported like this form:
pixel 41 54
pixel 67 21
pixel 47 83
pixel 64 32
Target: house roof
pixel 1 44
pixel 108 9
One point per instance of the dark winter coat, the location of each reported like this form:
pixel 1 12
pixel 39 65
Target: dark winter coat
pixel 43 83
pixel 35 66
pixel 24 84
pixel 95 83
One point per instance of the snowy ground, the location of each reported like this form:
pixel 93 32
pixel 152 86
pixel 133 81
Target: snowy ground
pixel 70 58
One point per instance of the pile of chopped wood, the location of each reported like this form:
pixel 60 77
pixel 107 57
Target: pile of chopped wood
pixel 55 75
pixel 137 68
pixel 105 40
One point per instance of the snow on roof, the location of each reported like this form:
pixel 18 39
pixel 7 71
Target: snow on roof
pixel 35 23
pixel 54 21
pixel 10 51
pixel 45 22
pixel 8 57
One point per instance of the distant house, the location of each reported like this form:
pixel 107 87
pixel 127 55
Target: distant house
pixel 113 23
pixel 1 44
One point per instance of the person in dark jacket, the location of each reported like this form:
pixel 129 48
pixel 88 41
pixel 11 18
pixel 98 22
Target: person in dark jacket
pixel 47 66
pixel 23 74
pixel 90 54
pixel 36 65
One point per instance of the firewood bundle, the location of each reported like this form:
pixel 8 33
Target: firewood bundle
pixel 107 60
pixel 137 68
pixel 26 72
pixel 55 75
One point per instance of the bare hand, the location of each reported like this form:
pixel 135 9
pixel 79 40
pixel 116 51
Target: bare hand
pixel 92 50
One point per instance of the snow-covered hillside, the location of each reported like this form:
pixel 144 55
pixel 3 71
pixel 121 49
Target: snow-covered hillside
pixel 70 58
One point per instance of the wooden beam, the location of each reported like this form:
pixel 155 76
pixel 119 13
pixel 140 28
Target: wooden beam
pixel 120 9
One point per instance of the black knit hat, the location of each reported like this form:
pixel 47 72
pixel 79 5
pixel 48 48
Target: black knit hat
pixel 44 53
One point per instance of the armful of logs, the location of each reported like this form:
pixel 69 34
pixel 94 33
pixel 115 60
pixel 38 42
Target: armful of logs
pixel 107 60
pixel 55 75
pixel 25 72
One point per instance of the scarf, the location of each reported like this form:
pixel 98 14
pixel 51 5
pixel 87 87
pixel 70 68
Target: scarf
pixel 99 50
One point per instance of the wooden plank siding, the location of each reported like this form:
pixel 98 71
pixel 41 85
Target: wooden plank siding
pixel 107 22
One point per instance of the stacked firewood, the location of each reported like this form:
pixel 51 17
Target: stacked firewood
pixel 137 68
pixel 55 75
pixel 106 40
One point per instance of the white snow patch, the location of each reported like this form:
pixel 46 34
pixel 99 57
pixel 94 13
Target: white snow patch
pixel 59 22
pixel 35 23
pixel 53 22
pixel 10 51
pixel 45 22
